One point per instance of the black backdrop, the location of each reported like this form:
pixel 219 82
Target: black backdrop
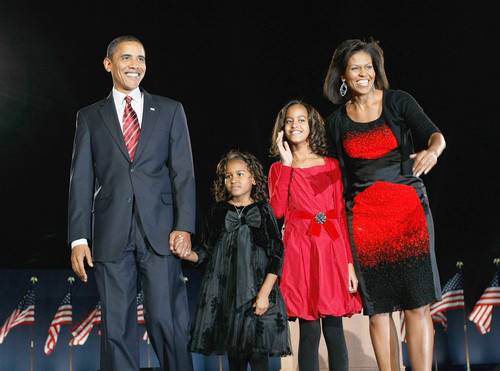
pixel 234 65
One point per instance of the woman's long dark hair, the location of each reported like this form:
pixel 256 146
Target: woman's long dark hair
pixel 340 60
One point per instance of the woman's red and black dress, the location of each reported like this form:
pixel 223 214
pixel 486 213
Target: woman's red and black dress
pixel 388 212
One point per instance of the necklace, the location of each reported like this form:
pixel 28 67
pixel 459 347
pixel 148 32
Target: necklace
pixel 238 210
pixel 303 163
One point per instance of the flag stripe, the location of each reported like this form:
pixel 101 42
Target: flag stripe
pixel 24 314
pixel 82 330
pixel 482 312
pixel 63 316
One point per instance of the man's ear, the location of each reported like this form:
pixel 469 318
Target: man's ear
pixel 107 64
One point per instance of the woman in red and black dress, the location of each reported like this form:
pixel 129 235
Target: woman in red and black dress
pixel 389 219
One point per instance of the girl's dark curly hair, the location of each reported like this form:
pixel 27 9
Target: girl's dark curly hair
pixel 259 190
pixel 340 60
pixel 318 141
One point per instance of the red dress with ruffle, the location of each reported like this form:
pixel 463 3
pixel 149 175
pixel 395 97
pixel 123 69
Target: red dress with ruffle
pixel 314 279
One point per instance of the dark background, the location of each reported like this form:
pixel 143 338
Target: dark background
pixel 234 65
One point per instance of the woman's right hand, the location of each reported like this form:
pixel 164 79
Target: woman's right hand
pixel 284 148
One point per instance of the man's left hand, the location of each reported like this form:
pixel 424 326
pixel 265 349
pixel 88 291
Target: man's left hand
pixel 180 243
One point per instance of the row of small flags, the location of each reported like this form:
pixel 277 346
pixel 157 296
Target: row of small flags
pixel 24 314
pixel 453 298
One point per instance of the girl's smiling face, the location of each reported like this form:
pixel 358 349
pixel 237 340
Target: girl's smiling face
pixel 297 124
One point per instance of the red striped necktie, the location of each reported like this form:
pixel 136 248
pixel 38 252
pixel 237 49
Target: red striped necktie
pixel 131 128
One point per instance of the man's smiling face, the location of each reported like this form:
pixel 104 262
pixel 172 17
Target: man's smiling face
pixel 127 66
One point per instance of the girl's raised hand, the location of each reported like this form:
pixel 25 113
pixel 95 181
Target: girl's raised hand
pixel 284 148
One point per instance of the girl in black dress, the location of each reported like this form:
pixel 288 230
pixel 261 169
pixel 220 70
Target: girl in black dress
pixel 240 309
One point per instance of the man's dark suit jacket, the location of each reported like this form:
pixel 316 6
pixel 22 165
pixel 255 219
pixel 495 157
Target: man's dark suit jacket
pixel 104 182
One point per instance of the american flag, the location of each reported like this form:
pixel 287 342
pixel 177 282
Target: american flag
pixel 483 310
pixel 441 318
pixel 140 313
pixel 63 316
pixel 24 314
pixel 453 298
pixel 140 308
pixel 82 330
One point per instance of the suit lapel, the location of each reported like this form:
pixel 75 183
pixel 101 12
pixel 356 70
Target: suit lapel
pixel 150 115
pixel 108 114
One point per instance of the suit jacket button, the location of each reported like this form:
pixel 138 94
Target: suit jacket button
pixel 129 200
pixel 132 170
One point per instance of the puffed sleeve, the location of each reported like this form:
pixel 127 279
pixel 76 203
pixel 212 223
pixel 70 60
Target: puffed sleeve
pixel 279 181
pixel 275 250
pixel 212 229
pixel 339 204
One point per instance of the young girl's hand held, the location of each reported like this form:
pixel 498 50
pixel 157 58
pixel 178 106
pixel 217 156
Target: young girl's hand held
pixel 353 280
pixel 261 304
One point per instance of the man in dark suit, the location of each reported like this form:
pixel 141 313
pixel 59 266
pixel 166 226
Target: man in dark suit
pixel 133 201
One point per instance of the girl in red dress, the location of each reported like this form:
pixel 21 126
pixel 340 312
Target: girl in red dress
pixel 318 279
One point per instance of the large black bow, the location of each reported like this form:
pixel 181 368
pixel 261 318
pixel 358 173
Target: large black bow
pixel 246 288
pixel 233 221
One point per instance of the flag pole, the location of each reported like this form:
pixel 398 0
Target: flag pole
pixel 33 280
pixel 459 266
pixel 466 343
pixel 435 353
pixel 149 355
pixel 70 280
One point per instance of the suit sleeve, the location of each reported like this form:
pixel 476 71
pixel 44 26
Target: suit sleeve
pixel 81 184
pixel 180 164
pixel 279 182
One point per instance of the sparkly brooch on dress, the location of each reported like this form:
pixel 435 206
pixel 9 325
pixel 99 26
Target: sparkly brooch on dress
pixel 320 218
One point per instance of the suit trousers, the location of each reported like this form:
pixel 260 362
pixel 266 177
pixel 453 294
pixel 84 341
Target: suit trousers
pixel 166 310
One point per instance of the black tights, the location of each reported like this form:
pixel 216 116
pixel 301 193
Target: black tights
pixel 258 362
pixel 310 334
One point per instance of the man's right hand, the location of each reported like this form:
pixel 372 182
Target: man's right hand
pixel 78 255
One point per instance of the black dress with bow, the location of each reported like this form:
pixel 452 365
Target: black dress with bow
pixel 240 247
